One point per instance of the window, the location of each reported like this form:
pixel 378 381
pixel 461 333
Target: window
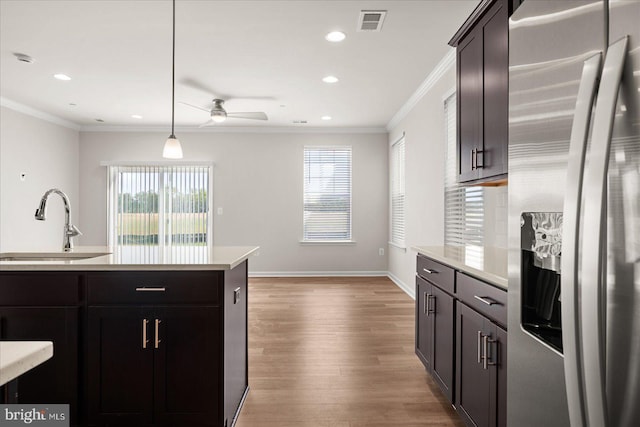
pixel 397 193
pixel 160 213
pixel 464 206
pixel 327 194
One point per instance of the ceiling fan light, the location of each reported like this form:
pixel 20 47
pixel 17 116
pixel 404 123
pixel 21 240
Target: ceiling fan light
pixel 172 148
pixel 218 116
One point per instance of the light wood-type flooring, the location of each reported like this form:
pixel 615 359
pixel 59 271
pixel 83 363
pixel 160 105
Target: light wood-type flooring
pixel 336 352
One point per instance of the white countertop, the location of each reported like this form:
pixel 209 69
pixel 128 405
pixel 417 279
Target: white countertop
pixel 483 262
pixel 214 258
pixel 17 357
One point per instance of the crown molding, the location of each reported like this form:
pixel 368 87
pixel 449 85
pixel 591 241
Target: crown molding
pixel 443 66
pixel 238 129
pixel 24 109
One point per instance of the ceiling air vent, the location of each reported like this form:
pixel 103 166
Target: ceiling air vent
pixel 371 20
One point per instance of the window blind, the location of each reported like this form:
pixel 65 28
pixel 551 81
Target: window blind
pixel 160 213
pixel 464 206
pixel 398 193
pixel 327 194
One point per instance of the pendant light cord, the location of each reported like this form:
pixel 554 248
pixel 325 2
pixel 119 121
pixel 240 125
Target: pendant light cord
pixel 173 69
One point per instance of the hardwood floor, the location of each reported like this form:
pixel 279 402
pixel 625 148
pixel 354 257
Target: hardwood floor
pixel 336 352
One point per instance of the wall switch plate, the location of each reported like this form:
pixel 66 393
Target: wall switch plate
pixel 381 251
pixel 219 211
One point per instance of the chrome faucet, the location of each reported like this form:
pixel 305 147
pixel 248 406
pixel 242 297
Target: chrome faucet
pixel 70 230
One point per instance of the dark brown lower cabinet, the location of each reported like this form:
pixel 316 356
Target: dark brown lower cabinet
pixel 481 369
pixel 153 366
pixel 435 333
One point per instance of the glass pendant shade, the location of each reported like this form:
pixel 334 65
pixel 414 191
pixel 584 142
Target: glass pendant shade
pixel 172 148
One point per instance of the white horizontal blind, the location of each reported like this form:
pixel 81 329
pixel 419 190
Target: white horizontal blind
pixel 464 206
pixel 398 193
pixel 327 194
pixel 160 213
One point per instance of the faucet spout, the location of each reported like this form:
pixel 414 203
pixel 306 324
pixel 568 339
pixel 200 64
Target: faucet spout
pixel 70 230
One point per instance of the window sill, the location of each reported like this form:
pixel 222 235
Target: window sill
pixel 401 247
pixel 327 242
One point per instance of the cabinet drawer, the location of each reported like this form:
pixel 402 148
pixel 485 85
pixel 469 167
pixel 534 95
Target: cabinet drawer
pixel 484 298
pixel 34 289
pixel 436 273
pixel 154 288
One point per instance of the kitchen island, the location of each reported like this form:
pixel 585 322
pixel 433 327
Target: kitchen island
pixel 137 342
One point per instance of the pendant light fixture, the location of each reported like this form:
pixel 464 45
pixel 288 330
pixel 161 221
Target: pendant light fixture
pixel 172 148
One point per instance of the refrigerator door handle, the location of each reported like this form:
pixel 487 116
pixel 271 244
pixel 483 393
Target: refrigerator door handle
pixel 593 267
pixel 570 239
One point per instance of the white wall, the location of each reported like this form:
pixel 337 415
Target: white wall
pixel 424 167
pixel 47 154
pixel 258 180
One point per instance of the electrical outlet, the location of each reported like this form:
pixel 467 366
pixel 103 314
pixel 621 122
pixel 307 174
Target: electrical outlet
pixel 381 251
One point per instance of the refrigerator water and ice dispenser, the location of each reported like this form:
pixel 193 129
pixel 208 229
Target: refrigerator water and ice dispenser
pixel 541 244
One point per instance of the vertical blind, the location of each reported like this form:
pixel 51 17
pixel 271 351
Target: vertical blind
pixel 464 206
pixel 327 194
pixel 398 193
pixel 160 213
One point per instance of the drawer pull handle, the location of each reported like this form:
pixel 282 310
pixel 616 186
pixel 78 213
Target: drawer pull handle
pixel 157 341
pixel 236 295
pixel 487 300
pixel 145 341
pixel 145 289
pixel 428 271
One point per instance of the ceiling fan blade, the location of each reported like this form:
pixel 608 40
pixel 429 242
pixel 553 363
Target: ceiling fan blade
pixel 258 115
pixel 194 106
pixel 209 123
pixel 194 84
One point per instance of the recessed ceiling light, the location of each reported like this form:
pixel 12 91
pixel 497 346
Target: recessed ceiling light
pixel 24 58
pixel 326 117
pixel 330 79
pixel 136 116
pixel 335 36
pixel 62 77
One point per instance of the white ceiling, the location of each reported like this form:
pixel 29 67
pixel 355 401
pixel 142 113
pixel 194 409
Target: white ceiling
pixel 118 54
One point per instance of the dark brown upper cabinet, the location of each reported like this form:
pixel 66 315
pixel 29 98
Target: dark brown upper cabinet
pixel 482 54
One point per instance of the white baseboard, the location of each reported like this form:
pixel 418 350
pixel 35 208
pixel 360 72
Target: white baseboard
pixel 409 290
pixel 317 273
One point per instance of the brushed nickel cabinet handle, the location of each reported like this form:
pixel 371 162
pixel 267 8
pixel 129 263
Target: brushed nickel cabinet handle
pixel 145 322
pixel 479 346
pixel 486 341
pixel 473 155
pixel 157 340
pixel 424 303
pixel 236 295
pixel 487 300
pixel 430 309
pixel 429 271
pixel 145 289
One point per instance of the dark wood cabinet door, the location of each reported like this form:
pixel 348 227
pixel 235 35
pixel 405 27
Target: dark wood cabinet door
pixel 56 380
pixel 501 383
pixel 187 365
pixel 443 320
pixel 120 366
pixel 470 104
pixel 424 326
pixel 493 159
pixel 473 385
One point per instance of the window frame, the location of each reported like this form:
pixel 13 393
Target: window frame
pixel 165 168
pixel 329 241
pixel 398 162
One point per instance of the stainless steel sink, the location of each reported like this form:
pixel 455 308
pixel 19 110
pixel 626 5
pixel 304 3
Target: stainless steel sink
pixel 49 256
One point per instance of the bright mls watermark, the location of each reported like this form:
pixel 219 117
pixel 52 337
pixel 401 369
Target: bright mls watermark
pixel 35 415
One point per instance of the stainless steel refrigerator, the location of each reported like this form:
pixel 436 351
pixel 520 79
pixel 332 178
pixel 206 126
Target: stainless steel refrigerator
pixel 574 214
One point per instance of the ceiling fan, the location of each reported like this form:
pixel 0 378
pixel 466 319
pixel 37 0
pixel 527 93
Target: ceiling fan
pixel 219 114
